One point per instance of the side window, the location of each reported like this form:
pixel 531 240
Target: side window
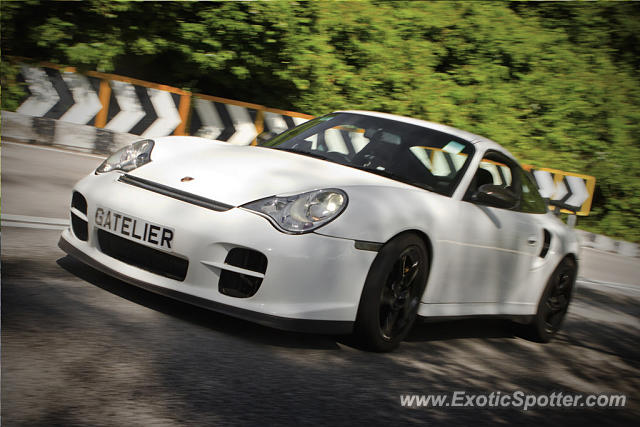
pixel 498 170
pixel 531 200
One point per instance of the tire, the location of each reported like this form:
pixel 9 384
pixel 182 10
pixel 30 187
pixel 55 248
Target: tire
pixel 553 304
pixel 392 293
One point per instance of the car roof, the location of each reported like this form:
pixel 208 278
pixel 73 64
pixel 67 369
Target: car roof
pixel 479 141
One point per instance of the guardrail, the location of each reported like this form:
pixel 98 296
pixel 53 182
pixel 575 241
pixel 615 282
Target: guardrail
pixel 127 105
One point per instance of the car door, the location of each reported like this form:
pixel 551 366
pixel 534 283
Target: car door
pixel 493 247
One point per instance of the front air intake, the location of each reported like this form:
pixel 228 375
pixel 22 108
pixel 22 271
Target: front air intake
pixel 79 223
pixel 239 285
pixel 80 227
pixel 79 202
pixel 147 258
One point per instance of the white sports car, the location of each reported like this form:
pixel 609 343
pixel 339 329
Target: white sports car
pixel 351 222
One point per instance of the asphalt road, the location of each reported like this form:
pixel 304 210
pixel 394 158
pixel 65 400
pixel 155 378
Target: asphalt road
pixel 81 348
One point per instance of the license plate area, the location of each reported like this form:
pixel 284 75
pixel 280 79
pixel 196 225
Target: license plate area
pixel 136 229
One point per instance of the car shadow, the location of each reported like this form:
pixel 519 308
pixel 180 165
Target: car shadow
pixel 421 332
pixel 445 330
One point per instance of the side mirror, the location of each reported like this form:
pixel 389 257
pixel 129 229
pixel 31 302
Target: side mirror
pixel 496 196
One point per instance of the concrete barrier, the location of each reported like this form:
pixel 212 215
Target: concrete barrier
pixel 607 244
pixel 627 248
pixel 42 131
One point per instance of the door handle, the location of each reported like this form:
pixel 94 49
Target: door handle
pixel 532 240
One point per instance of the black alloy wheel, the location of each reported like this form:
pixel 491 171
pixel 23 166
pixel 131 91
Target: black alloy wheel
pixel 399 294
pixel 554 303
pixel 392 293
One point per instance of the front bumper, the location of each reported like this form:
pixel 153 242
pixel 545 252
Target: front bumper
pixel 312 282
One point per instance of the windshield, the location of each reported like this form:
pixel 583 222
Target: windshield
pixel 412 154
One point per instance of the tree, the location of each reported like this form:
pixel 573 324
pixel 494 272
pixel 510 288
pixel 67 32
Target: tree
pixel 556 83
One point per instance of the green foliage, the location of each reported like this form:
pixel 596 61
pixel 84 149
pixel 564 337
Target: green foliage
pixel 556 83
pixel 12 90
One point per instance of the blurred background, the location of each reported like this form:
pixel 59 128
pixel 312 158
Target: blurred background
pixel 556 83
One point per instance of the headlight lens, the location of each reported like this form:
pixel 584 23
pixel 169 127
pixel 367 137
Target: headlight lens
pixel 128 158
pixel 301 213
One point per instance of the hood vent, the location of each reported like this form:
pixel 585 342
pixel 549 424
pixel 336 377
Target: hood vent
pixel 174 193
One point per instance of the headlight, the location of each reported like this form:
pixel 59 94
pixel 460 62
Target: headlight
pixel 128 158
pixel 303 212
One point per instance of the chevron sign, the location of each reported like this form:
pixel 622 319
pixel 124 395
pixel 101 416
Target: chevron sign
pixel 573 192
pixel 276 122
pixel 126 105
pixel 142 111
pixel 105 101
pixel 64 96
pixel 238 122
pixel 224 120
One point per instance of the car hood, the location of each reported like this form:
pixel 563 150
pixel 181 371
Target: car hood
pixel 237 175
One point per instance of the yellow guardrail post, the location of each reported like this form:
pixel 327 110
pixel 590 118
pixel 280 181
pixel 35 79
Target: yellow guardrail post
pixel 104 96
pixel 259 125
pixel 184 111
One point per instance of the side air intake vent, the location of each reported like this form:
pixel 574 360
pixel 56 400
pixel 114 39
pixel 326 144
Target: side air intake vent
pixel 80 227
pixel 79 223
pixel 79 202
pixel 144 257
pixel 239 285
pixel 545 244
